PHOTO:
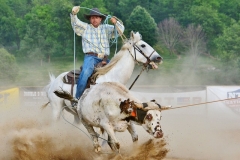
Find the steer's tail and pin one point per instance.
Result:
(65, 95)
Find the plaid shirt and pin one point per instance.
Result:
(95, 39)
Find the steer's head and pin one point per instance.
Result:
(149, 115)
(151, 123)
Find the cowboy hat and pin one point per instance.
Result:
(94, 12)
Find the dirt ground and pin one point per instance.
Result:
(195, 133)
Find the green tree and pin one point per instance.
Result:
(140, 20)
(7, 27)
(128, 6)
(114, 8)
(63, 32)
(229, 43)
(230, 9)
(210, 21)
(8, 66)
(40, 38)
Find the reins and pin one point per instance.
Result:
(144, 64)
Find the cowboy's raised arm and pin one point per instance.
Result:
(77, 25)
(118, 24)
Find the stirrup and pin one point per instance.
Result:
(74, 102)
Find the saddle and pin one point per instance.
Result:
(72, 78)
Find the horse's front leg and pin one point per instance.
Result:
(94, 136)
(131, 129)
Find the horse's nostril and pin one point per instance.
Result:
(159, 58)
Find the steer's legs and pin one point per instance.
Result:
(94, 136)
(112, 140)
(132, 131)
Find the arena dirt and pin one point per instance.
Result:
(196, 133)
(28, 133)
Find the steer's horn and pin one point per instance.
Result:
(138, 105)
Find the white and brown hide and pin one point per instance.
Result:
(99, 106)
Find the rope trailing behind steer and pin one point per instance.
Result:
(201, 103)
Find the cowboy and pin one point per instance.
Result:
(95, 42)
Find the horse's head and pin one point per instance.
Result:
(143, 52)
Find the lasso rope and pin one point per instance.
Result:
(111, 40)
(201, 103)
(115, 39)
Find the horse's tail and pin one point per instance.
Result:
(52, 79)
(46, 88)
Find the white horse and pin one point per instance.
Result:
(119, 69)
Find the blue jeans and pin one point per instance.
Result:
(87, 70)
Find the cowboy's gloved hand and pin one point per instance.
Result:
(101, 55)
(113, 20)
(75, 10)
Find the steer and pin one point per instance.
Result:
(111, 107)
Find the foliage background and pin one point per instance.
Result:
(39, 37)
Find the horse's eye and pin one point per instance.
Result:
(143, 45)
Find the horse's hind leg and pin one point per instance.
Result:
(57, 106)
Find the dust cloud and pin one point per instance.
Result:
(196, 133)
(202, 132)
(28, 133)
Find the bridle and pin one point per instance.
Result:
(139, 50)
(136, 48)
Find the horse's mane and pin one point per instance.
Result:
(120, 87)
(110, 65)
